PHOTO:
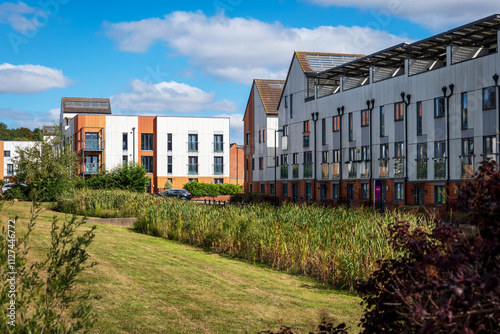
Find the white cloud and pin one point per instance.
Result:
(18, 118)
(21, 17)
(428, 13)
(169, 96)
(27, 79)
(240, 49)
(235, 126)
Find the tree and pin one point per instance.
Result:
(129, 176)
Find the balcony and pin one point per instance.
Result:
(218, 147)
(218, 169)
(383, 167)
(336, 170)
(284, 172)
(399, 167)
(295, 171)
(351, 170)
(491, 156)
(192, 146)
(467, 166)
(307, 170)
(92, 145)
(91, 168)
(365, 169)
(421, 169)
(439, 168)
(325, 171)
(192, 169)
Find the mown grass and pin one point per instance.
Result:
(335, 246)
(145, 284)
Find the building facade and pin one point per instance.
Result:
(402, 126)
(7, 153)
(176, 149)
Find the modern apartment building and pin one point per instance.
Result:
(7, 152)
(179, 149)
(404, 125)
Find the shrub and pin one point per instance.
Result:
(251, 198)
(168, 185)
(443, 281)
(129, 176)
(209, 189)
(17, 192)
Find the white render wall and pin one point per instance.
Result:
(12, 146)
(115, 127)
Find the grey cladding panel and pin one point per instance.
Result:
(399, 129)
(365, 136)
(489, 123)
(440, 129)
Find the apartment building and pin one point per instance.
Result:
(7, 153)
(178, 149)
(404, 125)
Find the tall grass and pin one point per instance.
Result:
(337, 246)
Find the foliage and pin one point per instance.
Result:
(251, 198)
(16, 192)
(324, 327)
(19, 134)
(168, 185)
(129, 176)
(209, 189)
(45, 299)
(444, 281)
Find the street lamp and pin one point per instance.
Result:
(276, 164)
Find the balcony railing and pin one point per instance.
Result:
(284, 172)
(192, 146)
(218, 169)
(93, 145)
(491, 156)
(351, 170)
(383, 167)
(421, 169)
(192, 169)
(218, 147)
(295, 171)
(91, 168)
(439, 168)
(307, 170)
(336, 170)
(467, 166)
(399, 167)
(305, 141)
(365, 169)
(325, 171)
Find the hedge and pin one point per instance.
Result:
(209, 189)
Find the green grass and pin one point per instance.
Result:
(145, 284)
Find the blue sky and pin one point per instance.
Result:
(192, 58)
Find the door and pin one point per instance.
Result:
(295, 192)
(91, 164)
(381, 200)
(350, 192)
(308, 191)
(419, 193)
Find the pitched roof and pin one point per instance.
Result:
(313, 62)
(85, 105)
(270, 93)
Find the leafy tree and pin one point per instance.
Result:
(129, 176)
(168, 185)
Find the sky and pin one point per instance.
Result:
(189, 58)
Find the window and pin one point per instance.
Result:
(439, 195)
(124, 159)
(399, 111)
(218, 181)
(439, 160)
(336, 123)
(261, 163)
(170, 180)
(306, 127)
(383, 169)
(305, 134)
(336, 156)
(422, 151)
(365, 117)
(468, 146)
(125, 141)
(336, 164)
(248, 139)
(439, 149)
(264, 136)
(286, 101)
(351, 134)
(169, 142)
(323, 131)
(365, 191)
(382, 121)
(489, 145)
(285, 130)
(384, 151)
(253, 164)
(324, 157)
(218, 143)
(218, 165)
(398, 191)
(439, 106)
(92, 141)
(146, 141)
(192, 180)
(284, 160)
(336, 191)
(365, 153)
(147, 162)
(10, 169)
(6, 154)
(192, 143)
(307, 164)
(399, 150)
(352, 154)
(422, 161)
(271, 188)
(295, 158)
(308, 157)
(465, 115)
(262, 188)
(169, 164)
(260, 136)
(489, 98)
(419, 118)
(467, 158)
(399, 162)
(246, 164)
(192, 165)
(285, 190)
(291, 105)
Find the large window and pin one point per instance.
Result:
(336, 123)
(399, 191)
(419, 118)
(365, 117)
(147, 162)
(169, 142)
(384, 161)
(489, 98)
(336, 164)
(261, 163)
(489, 147)
(439, 106)
(146, 141)
(324, 165)
(285, 190)
(218, 165)
(399, 111)
(192, 165)
(125, 141)
(399, 161)
(422, 161)
(439, 195)
(10, 169)
(307, 164)
(382, 121)
(192, 143)
(169, 164)
(365, 191)
(291, 105)
(439, 160)
(465, 114)
(467, 157)
(218, 143)
(323, 131)
(351, 128)
(305, 134)
(248, 139)
(336, 191)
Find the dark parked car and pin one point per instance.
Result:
(179, 193)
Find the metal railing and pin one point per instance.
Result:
(192, 169)
(325, 169)
(218, 147)
(399, 167)
(383, 167)
(421, 169)
(351, 170)
(192, 146)
(467, 162)
(92, 144)
(91, 168)
(336, 170)
(218, 169)
(284, 172)
(295, 171)
(439, 168)
(365, 169)
(307, 170)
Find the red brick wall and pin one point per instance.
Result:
(237, 165)
(248, 126)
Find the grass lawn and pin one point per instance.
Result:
(145, 284)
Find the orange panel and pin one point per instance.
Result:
(1, 159)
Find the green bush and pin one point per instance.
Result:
(129, 176)
(17, 192)
(209, 189)
(251, 198)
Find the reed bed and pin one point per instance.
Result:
(336, 246)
